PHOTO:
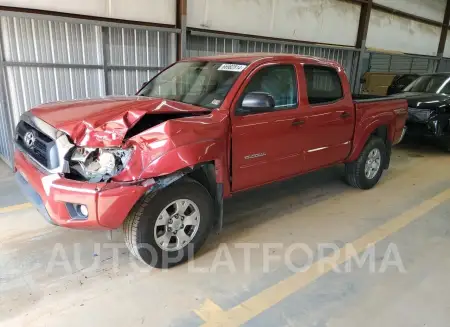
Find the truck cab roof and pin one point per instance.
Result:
(250, 58)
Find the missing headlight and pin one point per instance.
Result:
(98, 164)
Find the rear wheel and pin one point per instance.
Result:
(365, 172)
(166, 228)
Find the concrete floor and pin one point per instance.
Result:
(51, 276)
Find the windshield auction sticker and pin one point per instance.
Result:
(232, 67)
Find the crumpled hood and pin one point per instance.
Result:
(104, 122)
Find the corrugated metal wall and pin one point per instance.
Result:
(45, 59)
(204, 45)
(444, 66)
(28, 43)
(131, 53)
(52, 60)
(379, 62)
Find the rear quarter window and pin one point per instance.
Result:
(323, 84)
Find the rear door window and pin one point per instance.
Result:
(323, 84)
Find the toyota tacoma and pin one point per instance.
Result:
(160, 163)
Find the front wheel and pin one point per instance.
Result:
(365, 172)
(166, 228)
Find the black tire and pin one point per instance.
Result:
(139, 226)
(354, 171)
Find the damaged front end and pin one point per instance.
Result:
(109, 140)
(120, 154)
(427, 123)
(97, 164)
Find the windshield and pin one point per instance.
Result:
(201, 83)
(430, 84)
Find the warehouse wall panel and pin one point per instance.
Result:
(153, 11)
(45, 60)
(131, 47)
(321, 21)
(379, 62)
(32, 40)
(393, 33)
(127, 82)
(27, 40)
(210, 46)
(145, 52)
(202, 45)
(32, 86)
(432, 9)
(447, 47)
(6, 132)
(444, 66)
(82, 7)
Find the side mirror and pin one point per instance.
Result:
(255, 102)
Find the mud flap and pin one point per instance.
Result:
(219, 208)
(162, 182)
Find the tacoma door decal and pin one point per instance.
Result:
(255, 155)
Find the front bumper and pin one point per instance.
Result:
(431, 129)
(423, 123)
(108, 204)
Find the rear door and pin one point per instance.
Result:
(329, 116)
(265, 145)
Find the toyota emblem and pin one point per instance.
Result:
(29, 139)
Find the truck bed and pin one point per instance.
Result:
(372, 108)
(370, 98)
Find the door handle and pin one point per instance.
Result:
(298, 122)
(345, 114)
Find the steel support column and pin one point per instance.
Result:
(444, 32)
(105, 46)
(181, 16)
(363, 28)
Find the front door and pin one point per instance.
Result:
(265, 145)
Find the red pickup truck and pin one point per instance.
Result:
(160, 163)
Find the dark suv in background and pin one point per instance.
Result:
(428, 99)
(400, 82)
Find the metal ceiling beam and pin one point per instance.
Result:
(406, 15)
(359, 2)
(400, 13)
